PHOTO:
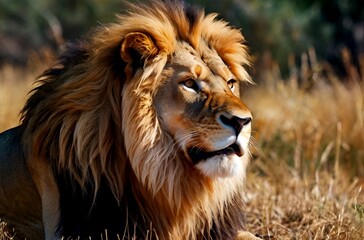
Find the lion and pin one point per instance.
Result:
(137, 131)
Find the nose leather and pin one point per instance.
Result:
(235, 122)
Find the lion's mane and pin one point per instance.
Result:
(81, 119)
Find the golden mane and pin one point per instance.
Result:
(81, 118)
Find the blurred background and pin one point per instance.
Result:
(306, 178)
(278, 30)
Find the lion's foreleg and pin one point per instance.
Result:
(48, 191)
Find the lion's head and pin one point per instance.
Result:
(159, 93)
(191, 109)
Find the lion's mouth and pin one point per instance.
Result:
(198, 154)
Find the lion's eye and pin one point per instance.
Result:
(191, 84)
(231, 83)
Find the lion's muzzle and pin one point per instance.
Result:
(232, 145)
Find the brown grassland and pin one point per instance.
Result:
(307, 176)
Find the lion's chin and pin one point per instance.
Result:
(222, 166)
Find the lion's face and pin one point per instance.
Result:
(199, 105)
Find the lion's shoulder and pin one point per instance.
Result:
(10, 144)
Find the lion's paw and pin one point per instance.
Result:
(244, 235)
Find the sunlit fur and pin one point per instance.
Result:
(79, 121)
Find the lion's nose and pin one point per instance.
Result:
(237, 123)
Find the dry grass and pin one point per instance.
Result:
(14, 85)
(307, 179)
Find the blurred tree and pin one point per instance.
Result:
(284, 28)
(28, 26)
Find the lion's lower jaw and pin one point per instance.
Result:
(223, 166)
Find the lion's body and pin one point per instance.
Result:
(137, 131)
(19, 199)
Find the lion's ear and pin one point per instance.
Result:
(135, 49)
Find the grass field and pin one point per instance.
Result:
(307, 176)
